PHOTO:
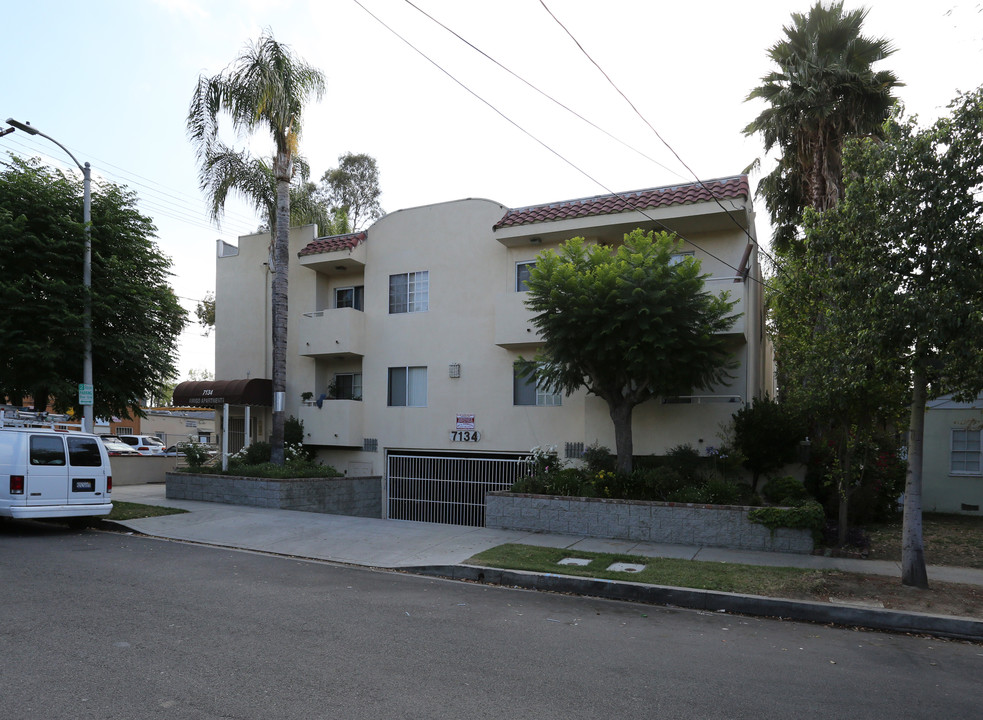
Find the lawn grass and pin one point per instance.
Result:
(132, 511)
(725, 577)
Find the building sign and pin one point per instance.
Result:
(465, 422)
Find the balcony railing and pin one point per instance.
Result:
(513, 321)
(336, 422)
(332, 333)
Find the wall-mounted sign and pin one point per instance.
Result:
(465, 422)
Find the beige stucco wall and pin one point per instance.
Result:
(943, 490)
(472, 277)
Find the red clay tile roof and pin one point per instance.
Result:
(721, 188)
(333, 242)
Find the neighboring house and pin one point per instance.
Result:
(179, 424)
(405, 334)
(952, 464)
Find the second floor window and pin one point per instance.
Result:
(349, 297)
(409, 292)
(348, 386)
(522, 275)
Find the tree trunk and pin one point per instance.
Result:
(843, 490)
(621, 417)
(913, 572)
(281, 256)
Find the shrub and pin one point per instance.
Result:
(196, 454)
(598, 458)
(808, 516)
(784, 491)
(685, 459)
(255, 454)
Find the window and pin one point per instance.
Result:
(964, 457)
(124, 431)
(348, 386)
(522, 275)
(47, 450)
(409, 292)
(677, 258)
(349, 297)
(84, 452)
(407, 387)
(525, 391)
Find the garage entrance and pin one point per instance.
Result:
(447, 488)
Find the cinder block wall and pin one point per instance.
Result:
(359, 497)
(675, 523)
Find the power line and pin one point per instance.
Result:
(626, 197)
(540, 91)
(658, 135)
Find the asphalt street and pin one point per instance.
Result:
(103, 625)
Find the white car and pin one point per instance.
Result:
(143, 444)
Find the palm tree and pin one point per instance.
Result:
(265, 87)
(823, 91)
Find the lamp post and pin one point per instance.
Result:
(87, 410)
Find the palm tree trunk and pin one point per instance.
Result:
(913, 572)
(281, 255)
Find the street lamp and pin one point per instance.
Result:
(87, 410)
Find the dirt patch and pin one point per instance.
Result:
(888, 592)
(949, 541)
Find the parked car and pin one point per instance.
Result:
(116, 448)
(143, 444)
(53, 474)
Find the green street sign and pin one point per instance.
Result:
(85, 394)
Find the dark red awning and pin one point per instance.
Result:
(209, 393)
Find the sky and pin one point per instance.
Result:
(112, 80)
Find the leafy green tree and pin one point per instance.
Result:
(265, 88)
(912, 225)
(205, 312)
(823, 91)
(136, 318)
(627, 325)
(767, 433)
(353, 186)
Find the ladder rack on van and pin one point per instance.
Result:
(19, 418)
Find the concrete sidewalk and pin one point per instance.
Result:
(403, 544)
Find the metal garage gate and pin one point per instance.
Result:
(447, 488)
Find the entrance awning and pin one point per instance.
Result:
(209, 393)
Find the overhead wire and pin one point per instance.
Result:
(624, 196)
(656, 132)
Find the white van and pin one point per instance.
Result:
(48, 473)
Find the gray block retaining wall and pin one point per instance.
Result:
(359, 497)
(676, 523)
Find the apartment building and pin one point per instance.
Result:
(402, 338)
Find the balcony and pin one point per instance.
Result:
(513, 322)
(332, 333)
(514, 328)
(336, 422)
(738, 292)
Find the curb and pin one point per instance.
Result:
(715, 601)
